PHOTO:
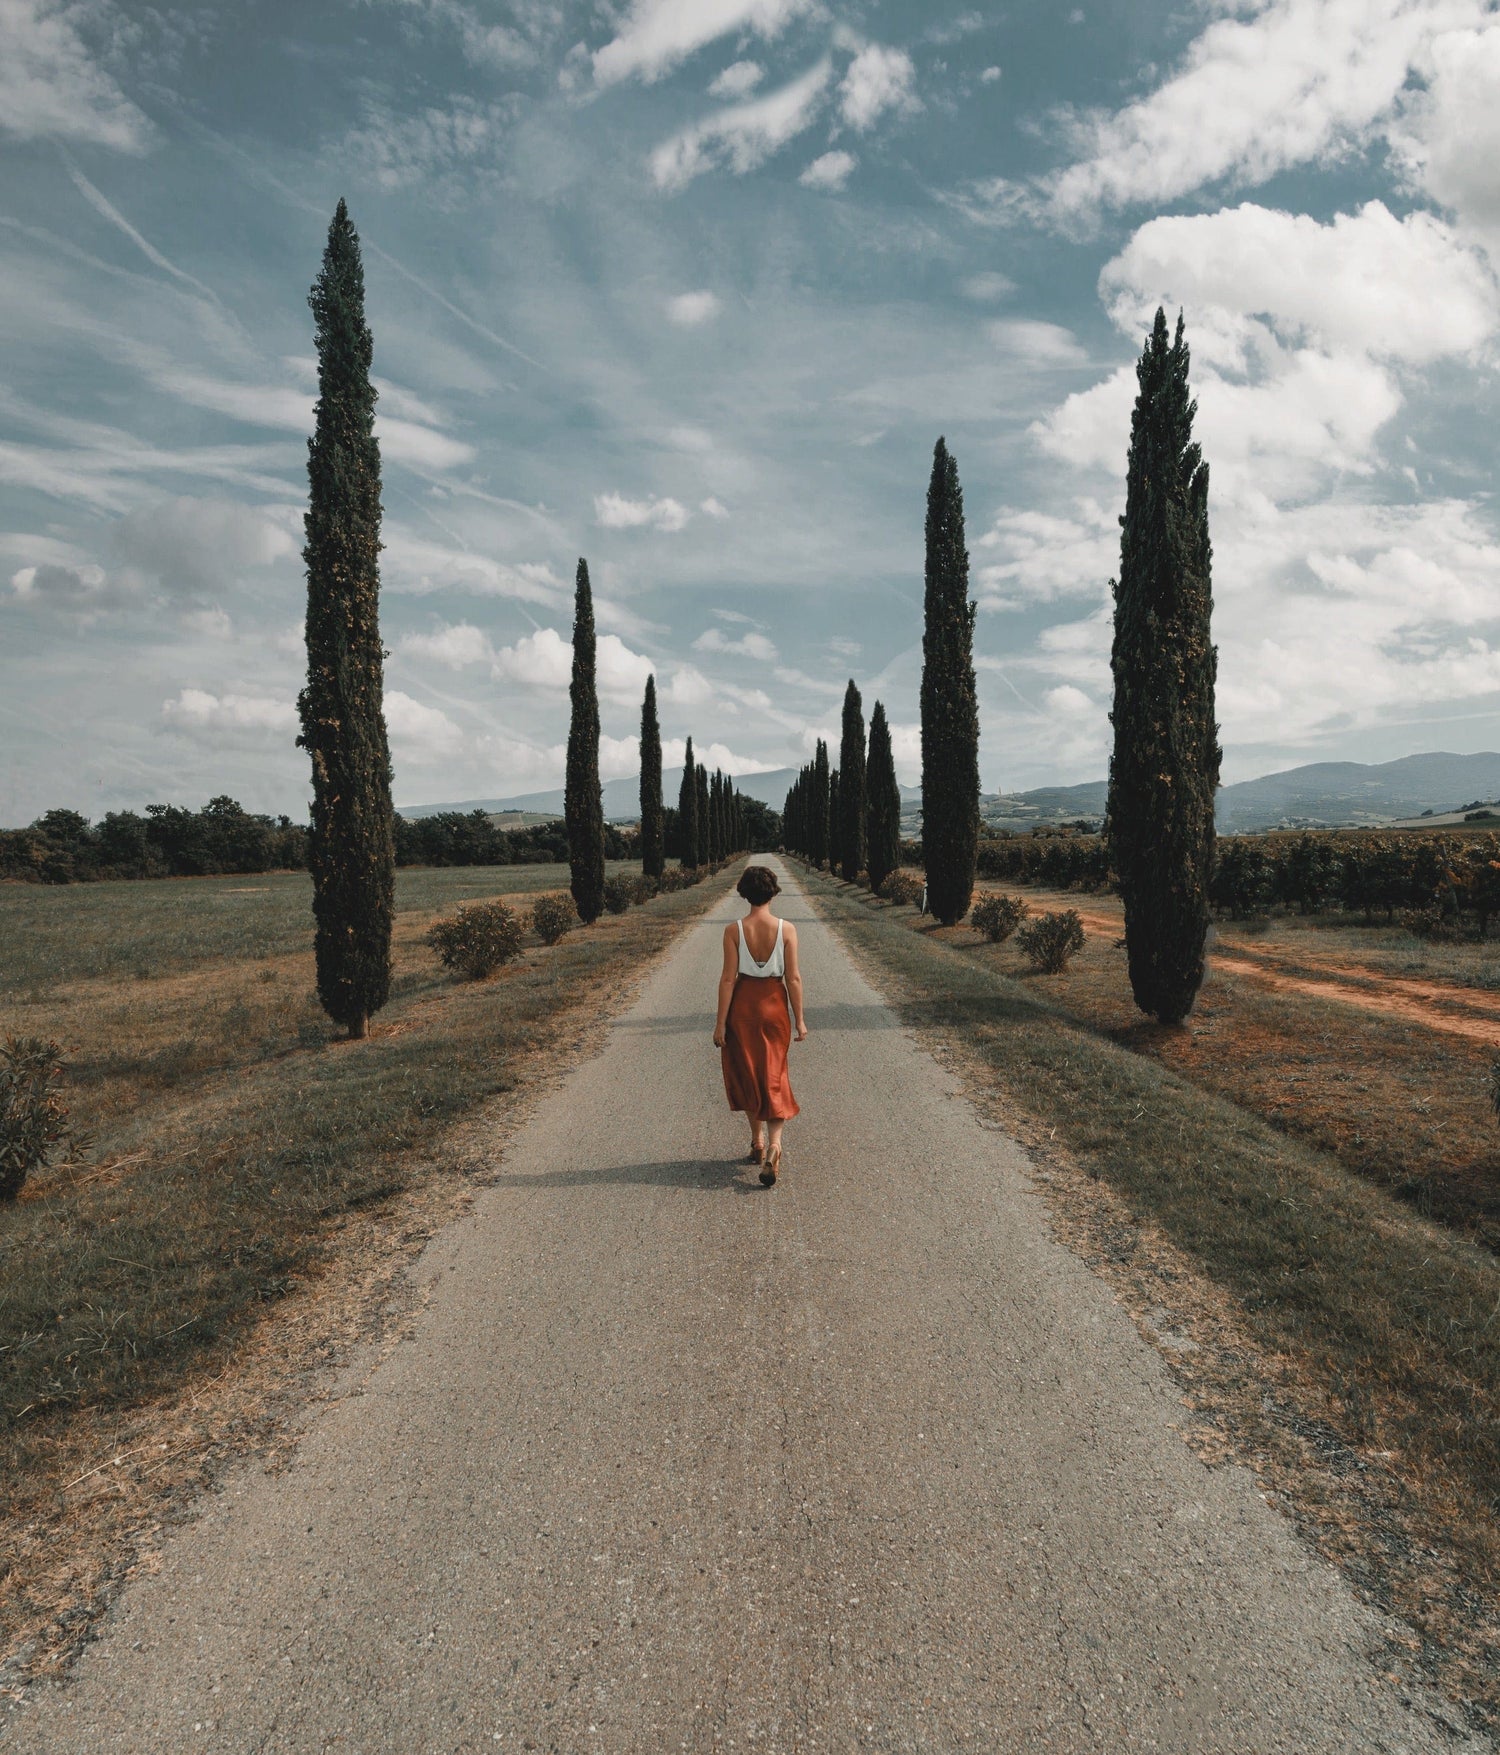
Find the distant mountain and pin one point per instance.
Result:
(1319, 795)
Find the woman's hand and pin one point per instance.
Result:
(801, 1030)
(718, 1036)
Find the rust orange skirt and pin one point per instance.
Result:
(756, 1037)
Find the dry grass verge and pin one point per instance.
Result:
(256, 1188)
(1332, 1339)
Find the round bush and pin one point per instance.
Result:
(552, 916)
(477, 939)
(997, 917)
(1051, 939)
(619, 892)
(902, 888)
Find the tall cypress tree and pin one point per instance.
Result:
(583, 807)
(852, 784)
(701, 795)
(1159, 820)
(883, 810)
(835, 823)
(817, 828)
(687, 809)
(653, 852)
(950, 702)
(351, 851)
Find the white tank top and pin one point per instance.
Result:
(774, 965)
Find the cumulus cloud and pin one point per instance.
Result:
(1296, 81)
(712, 508)
(455, 645)
(53, 88)
(194, 545)
(737, 80)
(878, 79)
(1030, 339)
(691, 309)
(54, 584)
(1040, 556)
(742, 136)
(749, 645)
(420, 734)
(544, 660)
(831, 171)
(1407, 289)
(232, 720)
(615, 512)
(659, 34)
(1449, 133)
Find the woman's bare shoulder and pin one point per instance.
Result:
(789, 931)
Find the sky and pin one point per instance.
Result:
(691, 288)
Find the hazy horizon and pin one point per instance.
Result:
(692, 292)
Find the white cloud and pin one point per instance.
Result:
(52, 88)
(737, 80)
(831, 171)
(230, 719)
(454, 645)
(57, 584)
(879, 79)
(1041, 556)
(544, 660)
(743, 136)
(990, 76)
(658, 34)
(200, 544)
(688, 687)
(419, 734)
(409, 150)
(987, 289)
(1298, 80)
(751, 645)
(712, 508)
(1450, 133)
(693, 308)
(615, 512)
(1404, 289)
(1030, 339)
(416, 565)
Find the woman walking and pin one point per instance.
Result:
(760, 981)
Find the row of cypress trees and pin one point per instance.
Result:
(1164, 770)
(849, 817)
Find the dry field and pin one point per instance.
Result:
(248, 1170)
(1295, 1197)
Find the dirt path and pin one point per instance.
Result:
(670, 1462)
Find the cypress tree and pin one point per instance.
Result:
(687, 809)
(817, 806)
(653, 847)
(835, 823)
(883, 809)
(701, 795)
(852, 784)
(715, 838)
(950, 703)
(1159, 820)
(351, 850)
(583, 807)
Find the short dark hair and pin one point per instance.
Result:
(758, 884)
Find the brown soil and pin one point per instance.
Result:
(1393, 996)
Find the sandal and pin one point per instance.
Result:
(773, 1164)
(757, 1152)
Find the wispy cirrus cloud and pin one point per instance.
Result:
(657, 35)
(743, 136)
(616, 512)
(54, 87)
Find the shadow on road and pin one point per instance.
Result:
(704, 1174)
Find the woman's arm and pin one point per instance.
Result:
(794, 978)
(727, 977)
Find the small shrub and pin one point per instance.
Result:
(552, 916)
(619, 893)
(643, 888)
(902, 888)
(1429, 923)
(997, 917)
(1051, 940)
(33, 1118)
(477, 939)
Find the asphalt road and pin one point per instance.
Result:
(673, 1462)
